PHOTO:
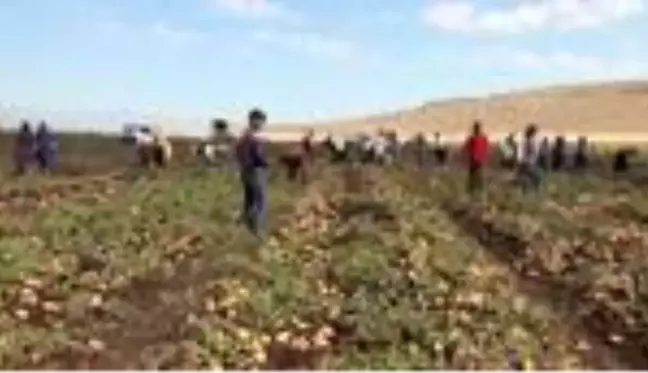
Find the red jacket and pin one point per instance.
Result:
(477, 149)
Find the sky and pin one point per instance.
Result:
(301, 59)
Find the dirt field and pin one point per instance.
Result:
(387, 268)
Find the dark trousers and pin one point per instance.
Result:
(421, 158)
(557, 161)
(621, 164)
(580, 161)
(23, 159)
(158, 156)
(508, 163)
(441, 156)
(475, 177)
(151, 154)
(295, 167)
(45, 159)
(254, 199)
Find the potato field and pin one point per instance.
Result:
(106, 267)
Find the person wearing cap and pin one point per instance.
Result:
(253, 166)
(530, 175)
(476, 148)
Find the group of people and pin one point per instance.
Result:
(548, 155)
(529, 155)
(385, 148)
(35, 147)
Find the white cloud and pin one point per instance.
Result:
(560, 62)
(528, 15)
(258, 9)
(312, 43)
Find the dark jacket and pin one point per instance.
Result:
(251, 153)
(25, 145)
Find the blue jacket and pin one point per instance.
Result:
(251, 153)
(46, 141)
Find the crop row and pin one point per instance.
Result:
(583, 260)
(79, 277)
(372, 276)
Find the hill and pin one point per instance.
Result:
(611, 111)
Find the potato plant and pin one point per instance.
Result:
(363, 268)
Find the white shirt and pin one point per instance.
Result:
(509, 148)
(338, 143)
(142, 138)
(379, 145)
(209, 151)
(437, 144)
(530, 151)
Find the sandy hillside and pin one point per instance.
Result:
(611, 111)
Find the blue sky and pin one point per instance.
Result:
(303, 59)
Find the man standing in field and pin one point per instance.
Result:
(558, 153)
(476, 148)
(46, 147)
(581, 159)
(253, 170)
(420, 150)
(24, 148)
(530, 175)
(544, 156)
(308, 149)
(440, 150)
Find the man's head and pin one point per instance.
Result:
(220, 125)
(531, 130)
(25, 126)
(256, 119)
(477, 127)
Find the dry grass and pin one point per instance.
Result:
(611, 112)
